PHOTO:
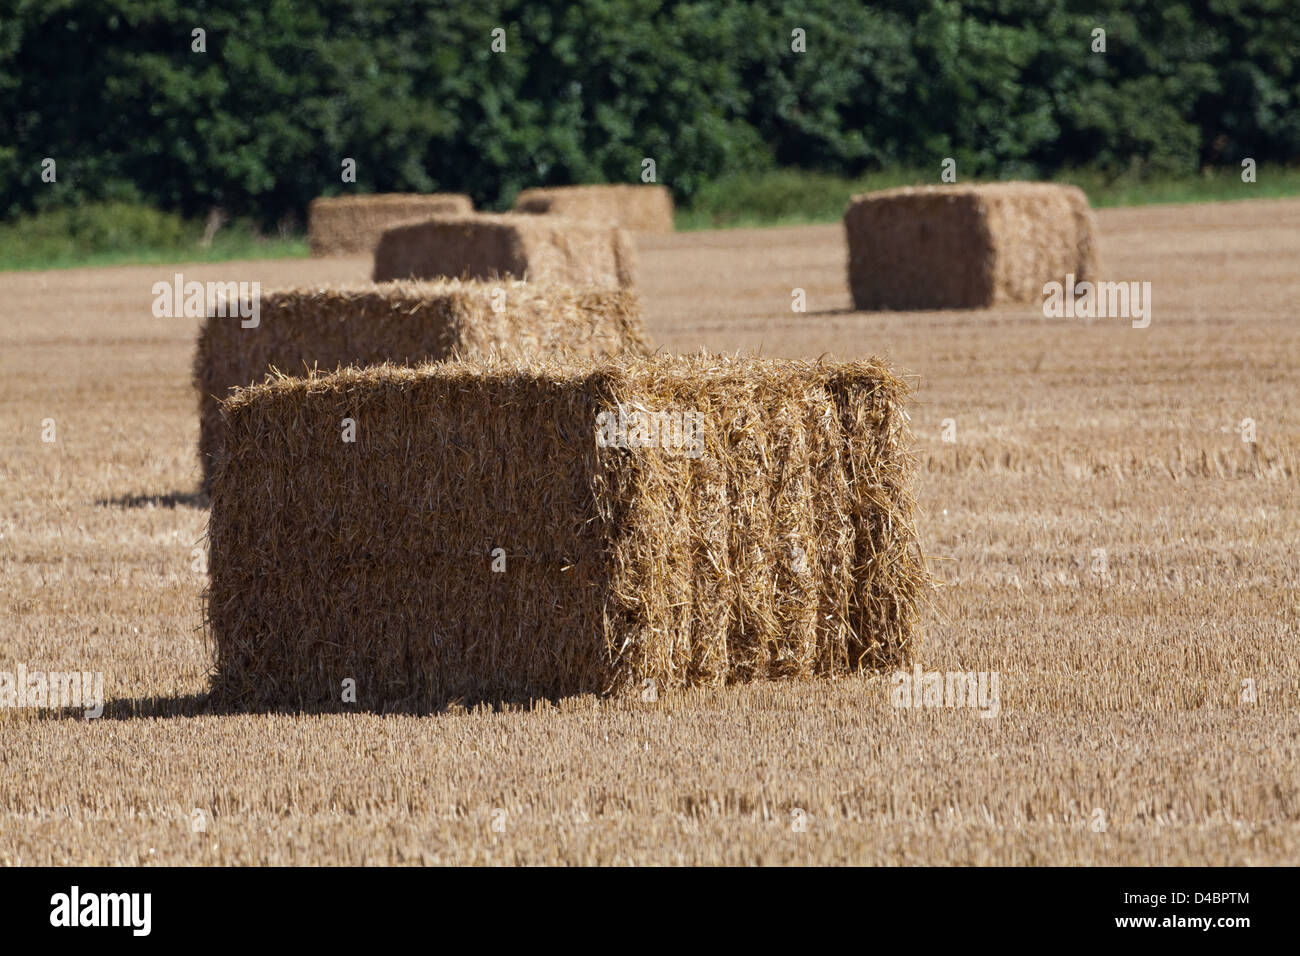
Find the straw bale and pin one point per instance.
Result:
(959, 246)
(352, 225)
(540, 248)
(636, 208)
(405, 322)
(785, 549)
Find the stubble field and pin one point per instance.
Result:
(1107, 543)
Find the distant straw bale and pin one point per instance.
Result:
(404, 322)
(956, 246)
(539, 248)
(635, 208)
(352, 225)
(506, 531)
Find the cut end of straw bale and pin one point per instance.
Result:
(352, 225)
(956, 246)
(403, 322)
(507, 531)
(536, 248)
(636, 208)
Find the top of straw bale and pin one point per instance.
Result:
(636, 208)
(1004, 190)
(486, 246)
(370, 200)
(348, 225)
(703, 375)
(462, 313)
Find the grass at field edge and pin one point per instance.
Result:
(751, 200)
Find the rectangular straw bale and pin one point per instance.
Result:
(404, 322)
(352, 225)
(636, 208)
(787, 549)
(958, 246)
(539, 248)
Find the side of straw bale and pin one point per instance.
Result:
(636, 208)
(786, 550)
(404, 322)
(1087, 260)
(949, 247)
(539, 248)
(352, 225)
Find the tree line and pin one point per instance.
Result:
(254, 107)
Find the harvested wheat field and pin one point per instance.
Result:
(1110, 548)
(328, 326)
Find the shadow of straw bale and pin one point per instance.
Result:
(174, 499)
(210, 705)
(130, 708)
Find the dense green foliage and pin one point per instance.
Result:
(260, 122)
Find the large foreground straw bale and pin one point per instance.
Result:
(634, 208)
(772, 536)
(951, 247)
(405, 322)
(539, 248)
(352, 225)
